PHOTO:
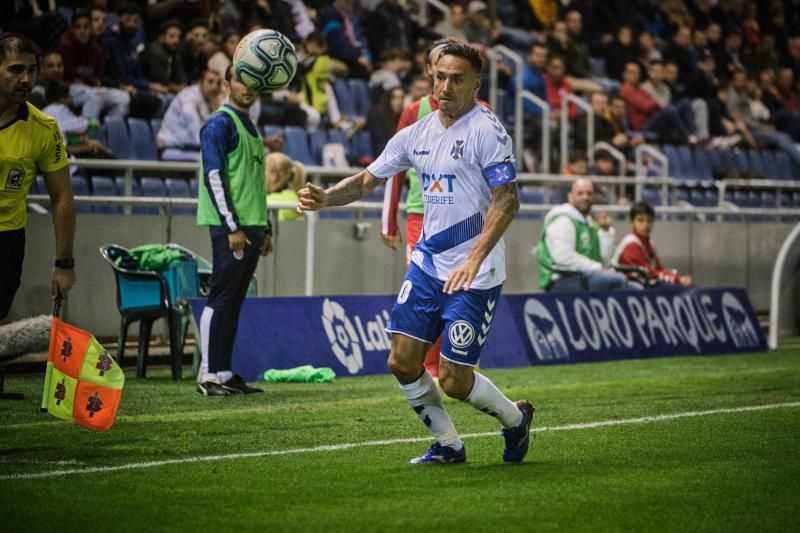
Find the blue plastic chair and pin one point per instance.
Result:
(344, 98)
(105, 186)
(296, 145)
(144, 145)
(361, 145)
(180, 188)
(80, 187)
(154, 188)
(144, 296)
(118, 138)
(361, 100)
(531, 196)
(316, 141)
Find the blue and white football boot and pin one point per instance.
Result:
(518, 438)
(443, 455)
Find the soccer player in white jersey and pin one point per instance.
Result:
(464, 160)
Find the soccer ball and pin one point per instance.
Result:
(265, 61)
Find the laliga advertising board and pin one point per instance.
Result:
(347, 333)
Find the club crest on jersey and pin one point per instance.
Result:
(457, 152)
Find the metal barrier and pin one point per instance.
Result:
(583, 104)
(639, 153)
(519, 141)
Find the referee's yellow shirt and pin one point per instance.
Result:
(31, 144)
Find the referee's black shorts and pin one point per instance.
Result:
(12, 252)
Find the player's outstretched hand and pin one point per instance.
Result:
(461, 277)
(311, 198)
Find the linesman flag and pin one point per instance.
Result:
(83, 383)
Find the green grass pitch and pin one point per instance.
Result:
(254, 463)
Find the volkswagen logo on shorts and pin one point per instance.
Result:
(461, 334)
(342, 336)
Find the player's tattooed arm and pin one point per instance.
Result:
(346, 191)
(502, 210)
(351, 189)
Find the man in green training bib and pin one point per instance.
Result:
(232, 203)
(573, 241)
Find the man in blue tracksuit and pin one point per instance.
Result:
(232, 203)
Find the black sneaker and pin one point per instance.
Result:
(211, 388)
(237, 385)
(518, 438)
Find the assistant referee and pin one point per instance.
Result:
(30, 143)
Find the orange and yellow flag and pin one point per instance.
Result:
(83, 384)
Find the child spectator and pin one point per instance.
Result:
(73, 127)
(636, 250)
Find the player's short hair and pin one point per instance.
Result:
(642, 208)
(196, 23)
(464, 51)
(437, 45)
(14, 43)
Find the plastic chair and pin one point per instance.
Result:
(180, 188)
(118, 139)
(360, 92)
(80, 187)
(295, 145)
(344, 98)
(316, 140)
(143, 140)
(105, 186)
(146, 295)
(155, 188)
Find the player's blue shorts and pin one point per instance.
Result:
(422, 311)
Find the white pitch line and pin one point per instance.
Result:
(388, 442)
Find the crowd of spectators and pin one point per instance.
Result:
(716, 72)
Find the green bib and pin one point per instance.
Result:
(414, 198)
(244, 176)
(587, 243)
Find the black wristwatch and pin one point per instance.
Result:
(68, 262)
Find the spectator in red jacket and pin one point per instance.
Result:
(636, 250)
(646, 115)
(557, 86)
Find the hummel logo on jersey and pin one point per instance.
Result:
(422, 152)
(458, 150)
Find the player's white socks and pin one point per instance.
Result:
(425, 399)
(487, 398)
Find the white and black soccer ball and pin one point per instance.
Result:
(265, 61)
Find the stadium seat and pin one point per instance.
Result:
(337, 135)
(784, 166)
(702, 166)
(80, 187)
(361, 100)
(757, 164)
(153, 187)
(316, 140)
(118, 139)
(361, 145)
(105, 186)
(144, 145)
(193, 185)
(272, 129)
(344, 98)
(179, 188)
(677, 167)
(770, 164)
(531, 196)
(295, 145)
(651, 195)
(740, 157)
